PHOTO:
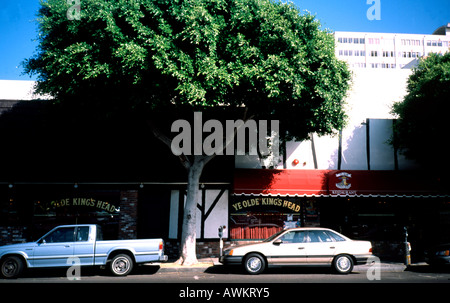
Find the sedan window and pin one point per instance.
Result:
(294, 237)
(335, 236)
(319, 236)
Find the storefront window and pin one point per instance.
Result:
(78, 207)
(39, 208)
(260, 217)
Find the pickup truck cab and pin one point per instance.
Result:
(84, 243)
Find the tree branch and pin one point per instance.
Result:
(166, 140)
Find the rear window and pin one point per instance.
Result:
(335, 236)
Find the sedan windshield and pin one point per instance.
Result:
(274, 236)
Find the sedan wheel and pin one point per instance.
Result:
(254, 264)
(343, 264)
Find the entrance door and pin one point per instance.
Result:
(55, 248)
(291, 251)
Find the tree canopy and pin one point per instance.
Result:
(421, 128)
(150, 56)
(266, 56)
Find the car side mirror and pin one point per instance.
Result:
(277, 242)
(41, 241)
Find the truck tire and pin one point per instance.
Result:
(254, 264)
(11, 267)
(121, 265)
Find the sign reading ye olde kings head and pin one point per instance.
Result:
(84, 202)
(259, 203)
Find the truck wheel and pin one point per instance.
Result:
(343, 264)
(254, 264)
(11, 267)
(121, 265)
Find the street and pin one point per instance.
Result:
(220, 274)
(217, 283)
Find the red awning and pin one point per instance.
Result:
(280, 182)
(335, 183)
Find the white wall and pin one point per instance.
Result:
(18, 90)
(217, 217)
(372, 95)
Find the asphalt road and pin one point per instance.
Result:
(222, 284)
(222, 274)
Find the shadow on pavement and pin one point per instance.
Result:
(425, 268)
(61, 272)
(221, 269)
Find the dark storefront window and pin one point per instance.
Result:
(9, 210)
(257, 218)
(39, 208)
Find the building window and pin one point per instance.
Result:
(374, 53)
(387, 65)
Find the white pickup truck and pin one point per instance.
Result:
(83, 243)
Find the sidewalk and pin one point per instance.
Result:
(201, 266)
(206, 263)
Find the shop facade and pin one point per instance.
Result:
(369, 205)
(29, 210)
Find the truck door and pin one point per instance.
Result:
(84, 245)
(55, 248)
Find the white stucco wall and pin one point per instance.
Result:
(372, 94)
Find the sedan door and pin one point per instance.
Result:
(55, 248)
(321, 247)
(290, 250)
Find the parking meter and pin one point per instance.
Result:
(407, 248)
(221, 228)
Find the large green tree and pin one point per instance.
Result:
(421, 129)
(195, 55)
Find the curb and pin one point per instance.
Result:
(173, 267)
(203, 266)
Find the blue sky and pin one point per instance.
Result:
(17, 29)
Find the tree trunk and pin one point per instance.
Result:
(188, 236)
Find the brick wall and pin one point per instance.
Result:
(128, 214)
